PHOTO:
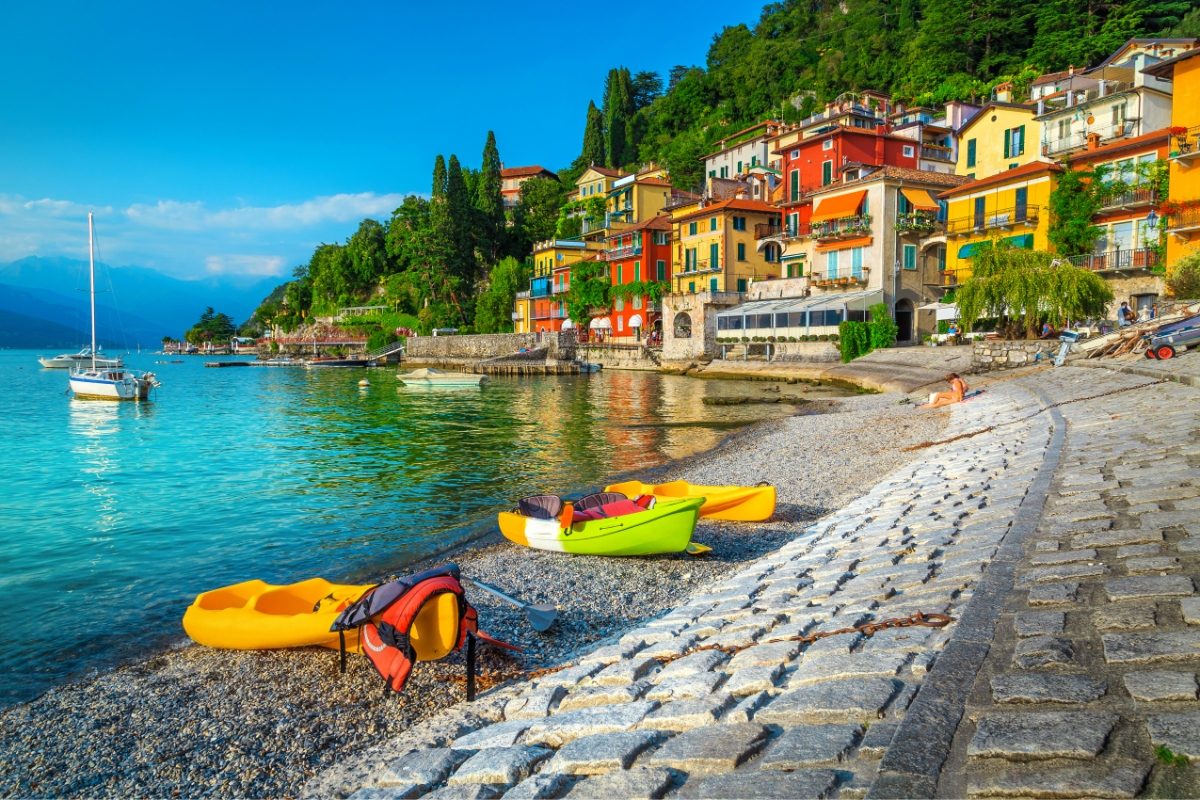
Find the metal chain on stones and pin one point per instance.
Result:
(1031, 415)
(918, 619)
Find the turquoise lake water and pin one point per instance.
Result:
(114, 515)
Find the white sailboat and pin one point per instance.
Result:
(99, 380)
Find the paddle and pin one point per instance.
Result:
(540, 616)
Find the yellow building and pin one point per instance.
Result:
(1012, 206)
(591, 193)
(523, 313)
(638, 198)
(1002, 136)
(714, 248)
(1182, 219)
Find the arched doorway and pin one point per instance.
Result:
(904, 320)
(683, 325)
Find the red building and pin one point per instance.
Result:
(824, 159)
(640, 254)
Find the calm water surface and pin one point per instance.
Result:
(114, 516)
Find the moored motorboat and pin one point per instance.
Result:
(80, 359)
(427, 376)
(618, 527)
(733, 503)
(255, 615)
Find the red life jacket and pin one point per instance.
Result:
(385, 616)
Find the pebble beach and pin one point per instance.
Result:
(198, 722)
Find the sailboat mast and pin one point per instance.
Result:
(92, 282)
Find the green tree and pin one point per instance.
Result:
(368, 257)
(593, 138)
(588, 292)
(882, 328)
(1183, 281)
(618, 116)
(408, 233)
(647, 87)
(1023, 287)
(493, 311)
(1073, 204)
(535, 217)
(330, 271)
(212, 327)
(439, 177)
(489, 204)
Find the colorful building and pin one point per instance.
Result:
(1181, 213)
(1001, 137)
(715, 248)
(737, 153)
(552, 260)
(511, 179)
(638, 255)
(636, 198)
(1011, 206)
(591, 194)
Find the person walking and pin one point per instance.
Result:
(1124, 315)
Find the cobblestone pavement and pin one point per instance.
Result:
(1089, 605)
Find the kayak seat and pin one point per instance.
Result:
(435, 631)
(541, 506)
(645, 501)
(597, 500)
(618, 508)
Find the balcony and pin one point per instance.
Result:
(936, 152)
(701, 266)
(843, 228)
(615, 253)
(1133, 198)
(1077, 140)
(1184, 223)
(560, 289)
(1140, 258)
(767, 230)
(1004, 219)
(917, 222)
(1185, 144)
(838, 280)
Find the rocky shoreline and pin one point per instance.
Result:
(197, 722)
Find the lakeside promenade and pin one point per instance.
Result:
(1058, 526)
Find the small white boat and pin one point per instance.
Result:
(94, 380)
(83, 357)
(437, 377)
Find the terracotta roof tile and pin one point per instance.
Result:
(1025, 171)
(521, 172)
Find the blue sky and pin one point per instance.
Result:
(233, 137)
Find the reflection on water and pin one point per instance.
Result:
(128, 510)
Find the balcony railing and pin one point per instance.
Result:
(1185, 146)
(559, 289)
(1138, 196)
(764, 230)
(936, 152)
(702, 265)
(615, 253)
(1003, 219)
(1118, 260)
(842, 228)
(1186, 221)
(1077, 140)
(847, 278)
(921, 222)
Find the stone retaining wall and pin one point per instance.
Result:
(616, 359)
(1003, 354)
(485, 345)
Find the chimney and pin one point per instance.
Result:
(1093, 141)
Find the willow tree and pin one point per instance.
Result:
(1022, 287)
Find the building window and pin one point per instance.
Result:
(691, 229)
(692, 289)
(619, 304)
(794, 185)
(712, 224)
(712, 173)
(739, 223)
(661, 266)
(827, 144)
(724, 172)
(793, 224)
(1014, 141)
(979, 212)
(826, 173)
(739, 168)
(856, 255)
(637, 301)
(1021, 210)
(741, 251)
(1064, 128)
(795, 154)
(831, 264)
(620, 274)
(714, 256)
(712, 285)
(637, 270)
(909, 151)
(753, 161)
(741, 284)
(1118, 117)
(970, 152)
(910, 256)
(620, 323)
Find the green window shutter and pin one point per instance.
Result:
(712, 285)
(741, 251)
(826, 173)
(1021, 142)
(714, 255)
(691, 229)
(970, 152)
(741, 284)
(1007, 143)
(662, 270)
(637, 270)
(712, 224)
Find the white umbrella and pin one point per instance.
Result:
(601, 323)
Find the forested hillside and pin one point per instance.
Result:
(454, 260)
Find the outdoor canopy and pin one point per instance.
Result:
(844, 205)
(859, 301)
(919, 199)
(600, 323)
(1023, 241)
(568, 324)
(635, 321)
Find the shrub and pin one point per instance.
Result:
(824, 337)
(882, 327)
(770, 338)
(791, 338)
(745, 338)
(1183, 282)
(854, 340)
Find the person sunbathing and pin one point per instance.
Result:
(958, 388)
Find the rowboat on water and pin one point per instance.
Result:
(436, 377)
(733, 503)
(255, 615)
(605, 524)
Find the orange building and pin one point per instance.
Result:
(511, 179)
(638, 255)
(1181, 212)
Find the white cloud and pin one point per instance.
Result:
(262, 266)
(174, 215)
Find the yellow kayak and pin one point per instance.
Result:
(734, 503)
(255, 615)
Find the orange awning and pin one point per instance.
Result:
(920, 199)
(844, 205)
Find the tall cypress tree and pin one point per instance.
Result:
(593, 138)
(618, 116)
(461, 263)
(489, 204)
(439, 177)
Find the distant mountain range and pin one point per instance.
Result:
(44, 303)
